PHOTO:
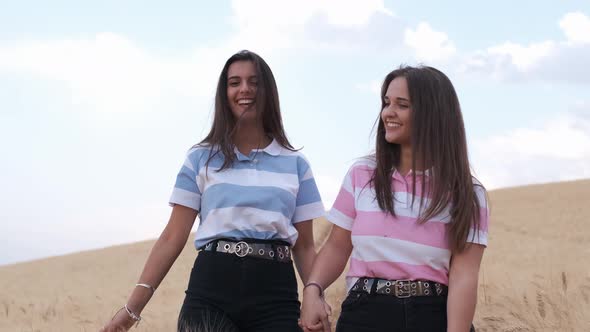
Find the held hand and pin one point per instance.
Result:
(121, 322)
(327, 307)
(319, 327)
(315, 312)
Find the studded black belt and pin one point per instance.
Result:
(272, 251)
(400, 288)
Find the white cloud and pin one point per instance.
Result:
(430, 45)
(266, 24)
(549, 60)
(110, 73)
(263, 14)
(556, 151)
(576, 27)
(523, 57)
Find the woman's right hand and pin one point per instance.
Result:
(315, 312)
(121, 322)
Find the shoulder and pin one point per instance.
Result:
(480, 192)
(359, 174)
(198, 152)
(294, 156)
(366, 164)
(285, 152)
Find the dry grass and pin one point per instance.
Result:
(535, 275)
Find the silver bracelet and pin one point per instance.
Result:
(131, 314)
(150, 287)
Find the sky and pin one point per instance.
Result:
(99, 101)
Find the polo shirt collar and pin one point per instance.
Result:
(273, 149)
(397, 175)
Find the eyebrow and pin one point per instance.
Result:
(239, 77)
(398, 99)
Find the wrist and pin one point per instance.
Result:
(133, 316)
(314, 288)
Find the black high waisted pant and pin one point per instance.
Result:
(230, 293)
(362, 312)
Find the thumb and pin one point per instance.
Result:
(328, 309)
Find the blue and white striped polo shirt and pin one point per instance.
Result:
(260, 196)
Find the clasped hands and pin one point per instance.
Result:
(315, 312)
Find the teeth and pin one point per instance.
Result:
(391, 124)
(245, 101)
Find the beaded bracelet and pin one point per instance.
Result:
(131, 314)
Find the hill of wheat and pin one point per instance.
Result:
(535, 274)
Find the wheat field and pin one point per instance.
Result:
(535, 275)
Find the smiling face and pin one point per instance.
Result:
(396, 113)
(241, 90)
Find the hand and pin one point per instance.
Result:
(315, 312)
(121, 322)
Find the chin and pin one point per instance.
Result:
(392, 140)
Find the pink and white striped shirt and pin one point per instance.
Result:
(396, 248)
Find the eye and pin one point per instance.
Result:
(233, 83)
(404, 106)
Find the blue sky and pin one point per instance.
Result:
(99, 102)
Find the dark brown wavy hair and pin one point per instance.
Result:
(439, 143)
(268, 110)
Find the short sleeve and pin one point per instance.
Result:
(308, 203)
(186, 191)
(480, 235)
(343, 211)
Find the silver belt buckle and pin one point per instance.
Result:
(241, 249)
(399, 290)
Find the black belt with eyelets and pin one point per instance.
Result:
(400, 288)
(271, 251)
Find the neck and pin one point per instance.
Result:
(249, 136)
(405, 163)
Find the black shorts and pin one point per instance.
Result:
(231, 293)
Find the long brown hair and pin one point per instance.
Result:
(267, 108)
(439, 142)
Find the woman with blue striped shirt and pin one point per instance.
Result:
(256, 197)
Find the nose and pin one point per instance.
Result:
(388, 111)
(244, 87)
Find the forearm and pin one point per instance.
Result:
(461, 303)
(163, 254)
(304, 258)
(329, 264)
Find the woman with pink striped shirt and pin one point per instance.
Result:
(411, 218)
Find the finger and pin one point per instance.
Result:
(305, 326)
(300, 323)
(328, 309)
(316, 326)
(307, 329)
(326, 323)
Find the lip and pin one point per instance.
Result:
(245, 101)
(392, 124)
